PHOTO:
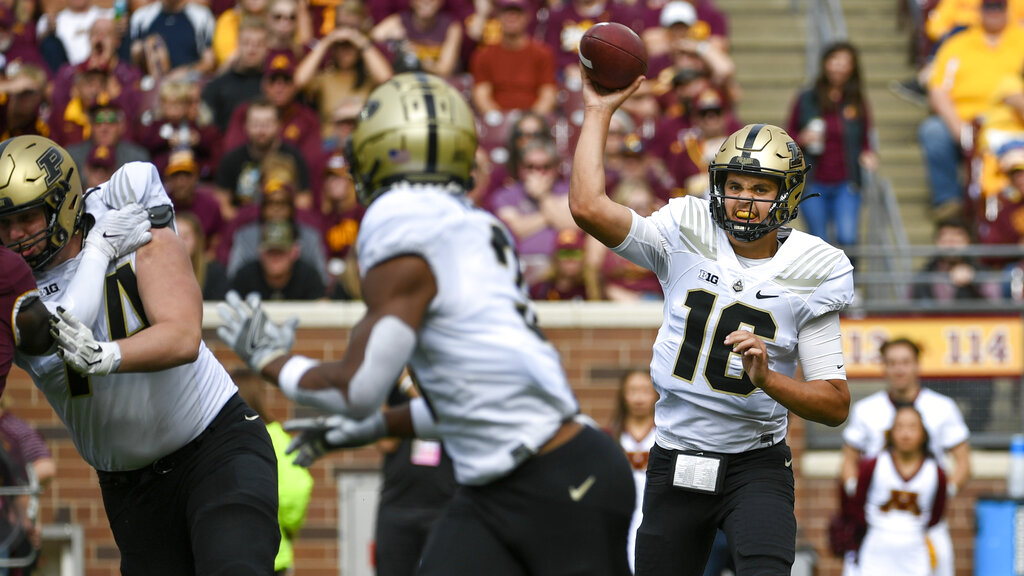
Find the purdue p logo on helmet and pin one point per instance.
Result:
(35, 171)
(759, 150)
(414, 128)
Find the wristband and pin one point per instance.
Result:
(292, 372)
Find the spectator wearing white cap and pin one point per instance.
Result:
(685, 45)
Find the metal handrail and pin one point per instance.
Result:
(885, 245)
(825, 25)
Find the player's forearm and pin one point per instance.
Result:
(160, 347)
(824, 401)
(590, 206)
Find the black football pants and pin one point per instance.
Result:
(754, 509)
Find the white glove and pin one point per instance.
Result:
(77, 346)
(120, 232)
(323, 434)
(249, 332)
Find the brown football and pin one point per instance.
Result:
(613, 55)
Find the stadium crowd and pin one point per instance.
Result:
(245, 106)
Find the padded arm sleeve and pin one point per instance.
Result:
(821, 348)
(84, 293)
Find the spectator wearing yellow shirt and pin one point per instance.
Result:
(225, 32)
(967, 70)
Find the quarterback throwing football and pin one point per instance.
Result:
(745, 300)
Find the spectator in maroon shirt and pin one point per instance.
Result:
(568, 22)
(709, 24)
(18, 43)
(519, 72)
(299, 124)
(175, 126)
(188, 194)
(565, 280)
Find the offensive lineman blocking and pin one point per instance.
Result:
(187, 471)
(745, 301)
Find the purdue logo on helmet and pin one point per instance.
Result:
(414, 128)
(36, 172)
(759, 150)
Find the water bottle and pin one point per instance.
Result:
(1015, 479)
(120, 9)
(816, 145)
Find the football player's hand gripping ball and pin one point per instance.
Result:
(255, 338)
(79, 349)
(323, 434)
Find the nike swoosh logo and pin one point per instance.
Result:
(253, 417)
(97, 350)
(578, 492)
(105, 235)
(840, 366)
(760, 296)
(789, 462)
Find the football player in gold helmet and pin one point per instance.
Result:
(756, 151)
(443, 292)
(152, 410)
(745, 300)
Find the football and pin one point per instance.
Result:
(612, 55)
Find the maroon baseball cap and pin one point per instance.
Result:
(282, 64)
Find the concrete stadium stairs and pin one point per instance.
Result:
(768, 43)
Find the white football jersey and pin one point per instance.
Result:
(126, 421)
(707, 402)
(871, 417)
(898, 511)
(495, 385)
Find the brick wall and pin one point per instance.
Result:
(594, 359)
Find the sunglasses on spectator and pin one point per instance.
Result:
(106, 117)
(539, 167)
(710, 112)
(280, 78)
(279, 16)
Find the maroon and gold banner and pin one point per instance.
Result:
(983, 346)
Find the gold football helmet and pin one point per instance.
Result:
(759, 150)
(34, 172)
(415, 128)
